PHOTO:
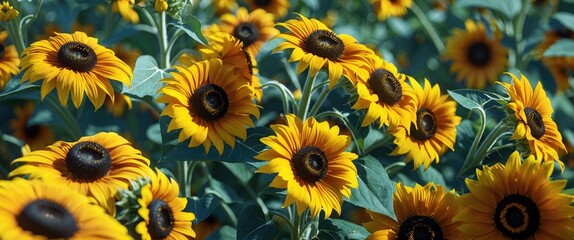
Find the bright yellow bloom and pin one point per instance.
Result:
(7, 12)
(390, 8)
(9, 60)
(160, 6)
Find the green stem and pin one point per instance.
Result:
(395, 168)
(386, 140)
(27, 20)
(295, 228)
(319, 101)
(286, 95)
(16, 36)
(472, 151)
(292, 74)
(306, 96)
(174, 37)
(72, 127)
(518, 31)
(429, 27)
(108, 21)
(163, 42)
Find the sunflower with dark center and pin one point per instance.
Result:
(252, 28)
(161, 211)
(476, 57)
(36, 135)
(390, 8)
(9, 60)
(45, 210)
(562, 70)
(385, 95)
(516, 201)
(551, 37)
(210, 103)
(434, 128)
(95, 166)
(317, 47)
(230, 50)
(422, 212)
(76, 65)
(533, 116)
(311, 163)
(278, 8)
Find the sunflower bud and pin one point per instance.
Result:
(161, 6)
(7, 12)
(175, 8)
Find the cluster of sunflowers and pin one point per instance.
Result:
(316, 119)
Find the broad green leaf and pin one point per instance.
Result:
(569, 191)
(224, 233)
(339, 229)
(243, 172)
(192, 27)
(375, 191)
(464, 101)
(508, 8)
(15, 90)
(153, 133)
(147, 76)
(221, 190)
(202, 207)
(252, 224)
(561, 48)
(565, 19)
(243, 151)
(431, 175)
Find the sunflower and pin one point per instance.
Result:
(475, 56)
(252, 28)
(386, 95)
(118, 107)
(533, 113)
(231, 52)
(561, 69)
(551, 37)
(37, 136)
(516, 201)
(317, 47)
(126, 10)
(162, 212)
(40, 210)
(74, 64)
(7, 12)
(224, 6)
(209, 103)
(279, 8)
(434, 129)
(390, 8)
(311, 163)
(95, 166)
(9, 60)
(422, 213)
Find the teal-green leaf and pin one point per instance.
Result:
(192, 27)
(464, 101)
(252, 224)
(224, 233)
(339, 229)
(147, 76)
(375, 191)
(561, 48)
(508, 8)
(569, 191)
(202, 207)
(15, 90)
(565, 19)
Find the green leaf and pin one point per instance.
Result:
(221, 190)
(147, 76)
(375, 191)
(153, 133)
(224, 233)
(464, 101)
(202, 207)
(192, 27)
(243, 151)
(561, 48)
(252, 224)
(569, 191)
(15, 90)
(339, 229)
(431, 175)
(508, 8)
(565, 19)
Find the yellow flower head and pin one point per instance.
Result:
(160, 6)
(390, 8)
(9, 60)
(7, 12)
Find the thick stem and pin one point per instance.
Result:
(319, 101)
(474, 146)
(72, 127)
(163, 42)
(518, 29)
(429, 27)
(306, 96)
(286, 95)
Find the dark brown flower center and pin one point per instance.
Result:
(47, 218)
(161, 220)
(262, 3)
(426, 125)
(479, 54)
(247, 32)
(386, 86)
(325, 44)
(88, 161)
(535, 122)
(420, 228)
(210, 102)
(32, 131)
(77, 56)
(310, 164)
(2, 48)
(517, 217)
